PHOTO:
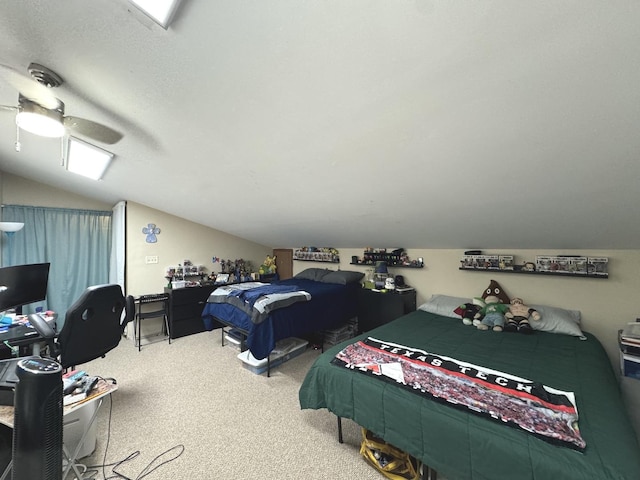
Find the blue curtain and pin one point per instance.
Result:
(77, 243)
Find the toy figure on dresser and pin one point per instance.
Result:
(518, 317)
(269, 266)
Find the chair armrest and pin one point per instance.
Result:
(46, 331)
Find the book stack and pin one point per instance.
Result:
(629, 341)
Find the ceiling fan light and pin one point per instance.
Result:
(46, 123)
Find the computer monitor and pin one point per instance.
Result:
(23, 284)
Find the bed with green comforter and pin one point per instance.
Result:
(461, 445)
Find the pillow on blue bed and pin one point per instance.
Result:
(443, 305)
(313, 274)
(557, 320)
(342, 277)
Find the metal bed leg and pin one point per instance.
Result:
(428, 473)
(340, 439)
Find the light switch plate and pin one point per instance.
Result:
(151, 259)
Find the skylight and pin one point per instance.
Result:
(86, 159)
(160, 11)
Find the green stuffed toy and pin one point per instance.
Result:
(492, 314)
(269, 266)
(494, 307)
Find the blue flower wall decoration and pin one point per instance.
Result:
(151, 231)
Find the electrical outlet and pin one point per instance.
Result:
(151, 259)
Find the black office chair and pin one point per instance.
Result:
(93, 325)
(161, 300)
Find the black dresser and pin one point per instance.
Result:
(376, 308)
(185, 309)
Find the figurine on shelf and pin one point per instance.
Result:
(269, 266)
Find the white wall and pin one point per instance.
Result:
(178, 240)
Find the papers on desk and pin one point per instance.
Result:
(73, 398)
(100, 388)
(77, 386)
(10, 320)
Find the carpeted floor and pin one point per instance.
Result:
(194, 406)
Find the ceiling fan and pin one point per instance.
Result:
(40, 112)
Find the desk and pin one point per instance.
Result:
(101, 389)
(22, 336)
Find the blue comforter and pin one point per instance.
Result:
(257, 299)
(330, 305)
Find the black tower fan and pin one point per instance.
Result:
(37, 431)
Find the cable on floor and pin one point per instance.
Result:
(150, 468)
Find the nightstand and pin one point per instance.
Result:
(377, 308)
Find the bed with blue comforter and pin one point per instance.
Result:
(328, 304)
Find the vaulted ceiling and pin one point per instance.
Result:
(413, 123)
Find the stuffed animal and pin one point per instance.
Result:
(494, 303)
(496, 290)
(518, 317)
(493, 312)
(467, 311)
(269, 266)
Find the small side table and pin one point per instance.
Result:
(377, 308)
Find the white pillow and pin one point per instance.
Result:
(557, 320)
(443, 305)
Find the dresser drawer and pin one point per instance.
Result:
(185, 310)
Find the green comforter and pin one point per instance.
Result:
(461, 445)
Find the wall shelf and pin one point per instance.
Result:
(314, 254)
(389, 265)
(395, 259)
(312, 260)
(603, 276)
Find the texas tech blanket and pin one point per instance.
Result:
(543, 411)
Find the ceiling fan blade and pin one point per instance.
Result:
(93, 130)
(29, 88)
